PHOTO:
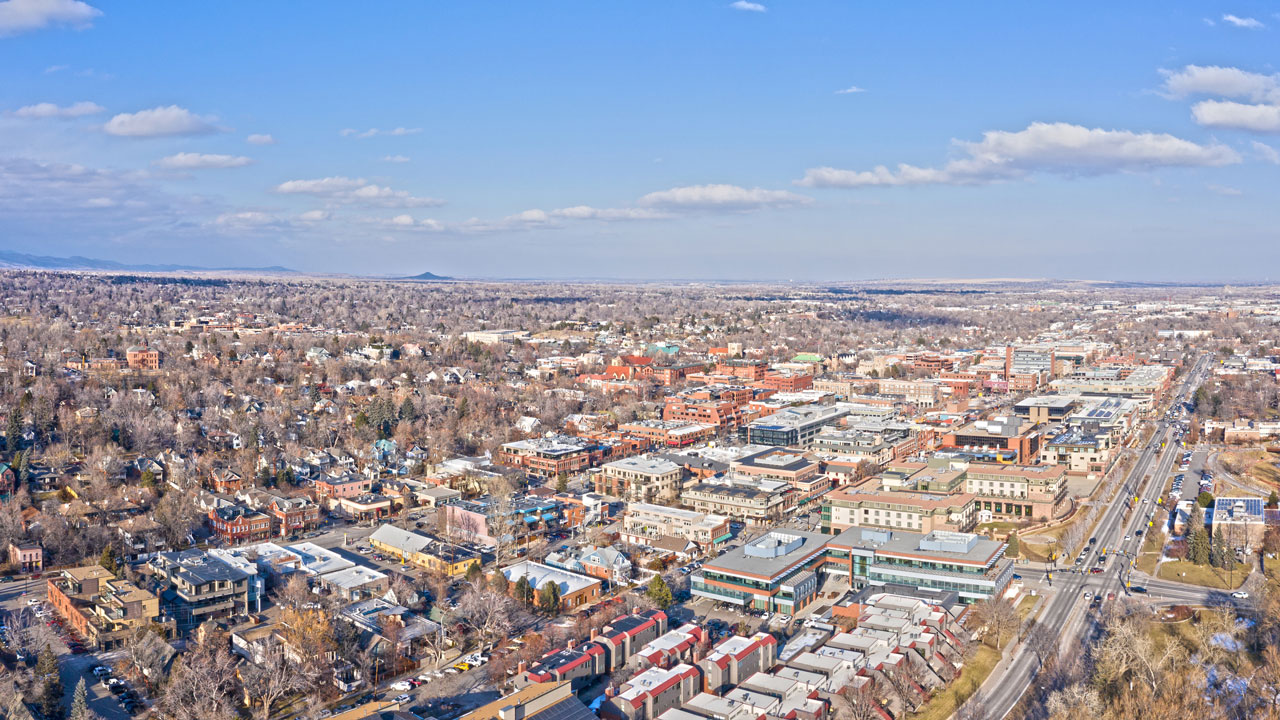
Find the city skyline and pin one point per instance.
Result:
(714, 140)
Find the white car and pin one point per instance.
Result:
(402, 686)
(402, 698)
(1240, 595)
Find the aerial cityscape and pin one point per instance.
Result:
(666, 361)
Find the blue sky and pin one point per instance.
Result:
(648, 139)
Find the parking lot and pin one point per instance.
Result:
(23, 610)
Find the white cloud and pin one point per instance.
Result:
(356, 191)
(50, 110)
(260, 139)
(1237, 116)
(159, 121)
(196, 161)
(1243, 22)
(1266, 152)
(395, 159)
(322, 186)
(315, 215)
(725, 197)
(586, 212)
(1221, 81)
(850, 90)
(374, 132)
(246, 219)
(747, 6)
(402, 220)
(55, 68)
(1223, 190)
(1059, 148)
(100, 202)
(18, 16)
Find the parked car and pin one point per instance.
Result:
(402, 698)
(401, 686)
(1240, 595)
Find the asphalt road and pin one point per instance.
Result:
(1067, 608)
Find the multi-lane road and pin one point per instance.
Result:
(1068, 608)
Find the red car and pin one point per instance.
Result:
(1095, 571)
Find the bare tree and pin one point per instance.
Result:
(273, 678)
(488, 613)
(855, 703)
(202, 686)
(1042, 641)
(996, 617)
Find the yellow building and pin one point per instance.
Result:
(424, 551)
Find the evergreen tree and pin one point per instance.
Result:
(549, 598)
(13, 433)
(407, 410)
(562, 484)
(46, 662)
(108, 560)
(1273, 500)
(500, 583)
(148, 479)
(659, 592)
(1221, 553)
(80, 703)
(51, 693)
(524, 593)
(1014, 546)
(1198, 548)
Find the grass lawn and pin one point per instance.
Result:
(1203, 575)
(1152, 547)
(944, 704)
(999, 526)
(1024, 607)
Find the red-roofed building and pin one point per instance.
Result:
(737, 658)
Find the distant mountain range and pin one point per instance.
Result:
(428, 276)
(23, 261)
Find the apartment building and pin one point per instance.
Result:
(99, 607)
(551, 456)
(640, 479)
(653, 692)
(719, 411)
(643, 523)
(915, 511)
(195, 586)
(668, 433)
(744, 498)
(921, 393)
(802, 471)
(1017, 491)
(236, 524)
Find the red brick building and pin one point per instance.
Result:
(238, 524)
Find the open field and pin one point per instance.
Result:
(1203, 575)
